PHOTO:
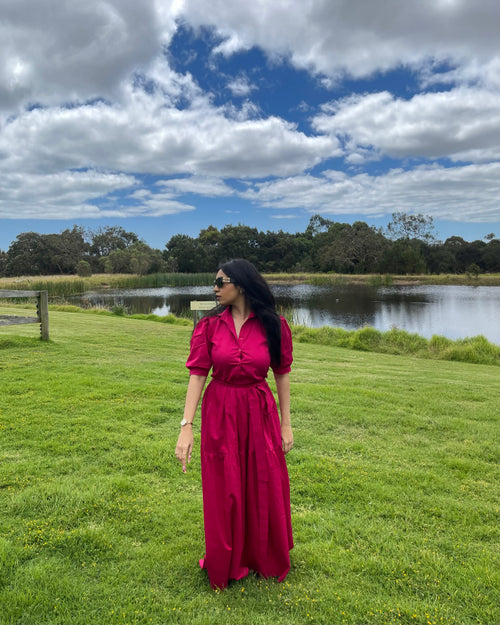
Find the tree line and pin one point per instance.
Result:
(406, 246)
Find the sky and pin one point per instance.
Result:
(165, 117)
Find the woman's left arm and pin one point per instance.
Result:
(283, 388)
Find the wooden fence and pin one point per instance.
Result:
(42, 311)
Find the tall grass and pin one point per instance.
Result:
(62, 286)
(337, 279)
(74, 285)
(477, 350)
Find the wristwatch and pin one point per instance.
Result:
(184, 422)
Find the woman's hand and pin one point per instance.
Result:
(286, 438)
(184, 446)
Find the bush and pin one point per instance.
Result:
(367, 339)
(83, 269)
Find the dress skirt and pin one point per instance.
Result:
(246, 490)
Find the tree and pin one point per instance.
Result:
(408, 226)
(3, 263)
(138, 258)
(239, 242)
(26, 255)
(64, 250)
(279, 251)
(317, 224)
(404, 257)
(186, 252)
(490, 256)
(109, 239)
(209, 243)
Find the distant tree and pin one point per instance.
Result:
(26, 255)
(409, 226)
(347, 248)
(465, 253)
(404, 257)
(439, 259)
(138, 258)
(303, 249)
(144, 259)
(490, 256)
(185, 252)
(64, 250)
(209, 239)
(109, 239)
(317, 224)
(3, 263)
(279, 251)
(239, 242)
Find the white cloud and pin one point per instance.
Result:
(109, 102)
(145, 136)
(461, 124)
(360, 38)
(56, 51)
(241, 86)
(468, 193)
(67, 195)
(201, 185)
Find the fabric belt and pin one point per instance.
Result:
(239, 384)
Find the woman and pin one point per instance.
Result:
(246, 492)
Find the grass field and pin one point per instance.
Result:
(394, 480)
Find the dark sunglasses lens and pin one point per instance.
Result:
(218, 282)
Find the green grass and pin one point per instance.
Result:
(394, 480)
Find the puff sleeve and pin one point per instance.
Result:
(200, 361)
(286, 349)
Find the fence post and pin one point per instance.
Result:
(43, 313)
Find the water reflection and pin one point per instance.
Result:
(452, 311)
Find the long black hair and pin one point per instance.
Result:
(260, 299)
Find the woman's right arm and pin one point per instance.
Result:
(185, 440)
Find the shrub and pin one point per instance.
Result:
(367, 339)
(83, 269)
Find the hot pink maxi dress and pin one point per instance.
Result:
(246, 490)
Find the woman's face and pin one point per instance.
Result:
(228, 293)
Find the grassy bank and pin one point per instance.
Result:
(476, 349)
(74, 285)
(394, 480)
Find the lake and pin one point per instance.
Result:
(452, 311)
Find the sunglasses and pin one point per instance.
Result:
(220, 282)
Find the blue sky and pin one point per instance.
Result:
(166, 117)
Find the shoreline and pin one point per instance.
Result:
(106, 281)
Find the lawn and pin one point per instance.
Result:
(394, 479)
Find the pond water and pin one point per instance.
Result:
(451, 311)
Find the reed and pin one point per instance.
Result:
(476, 350)
(63, 286)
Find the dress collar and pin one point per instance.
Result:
(226, 314)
